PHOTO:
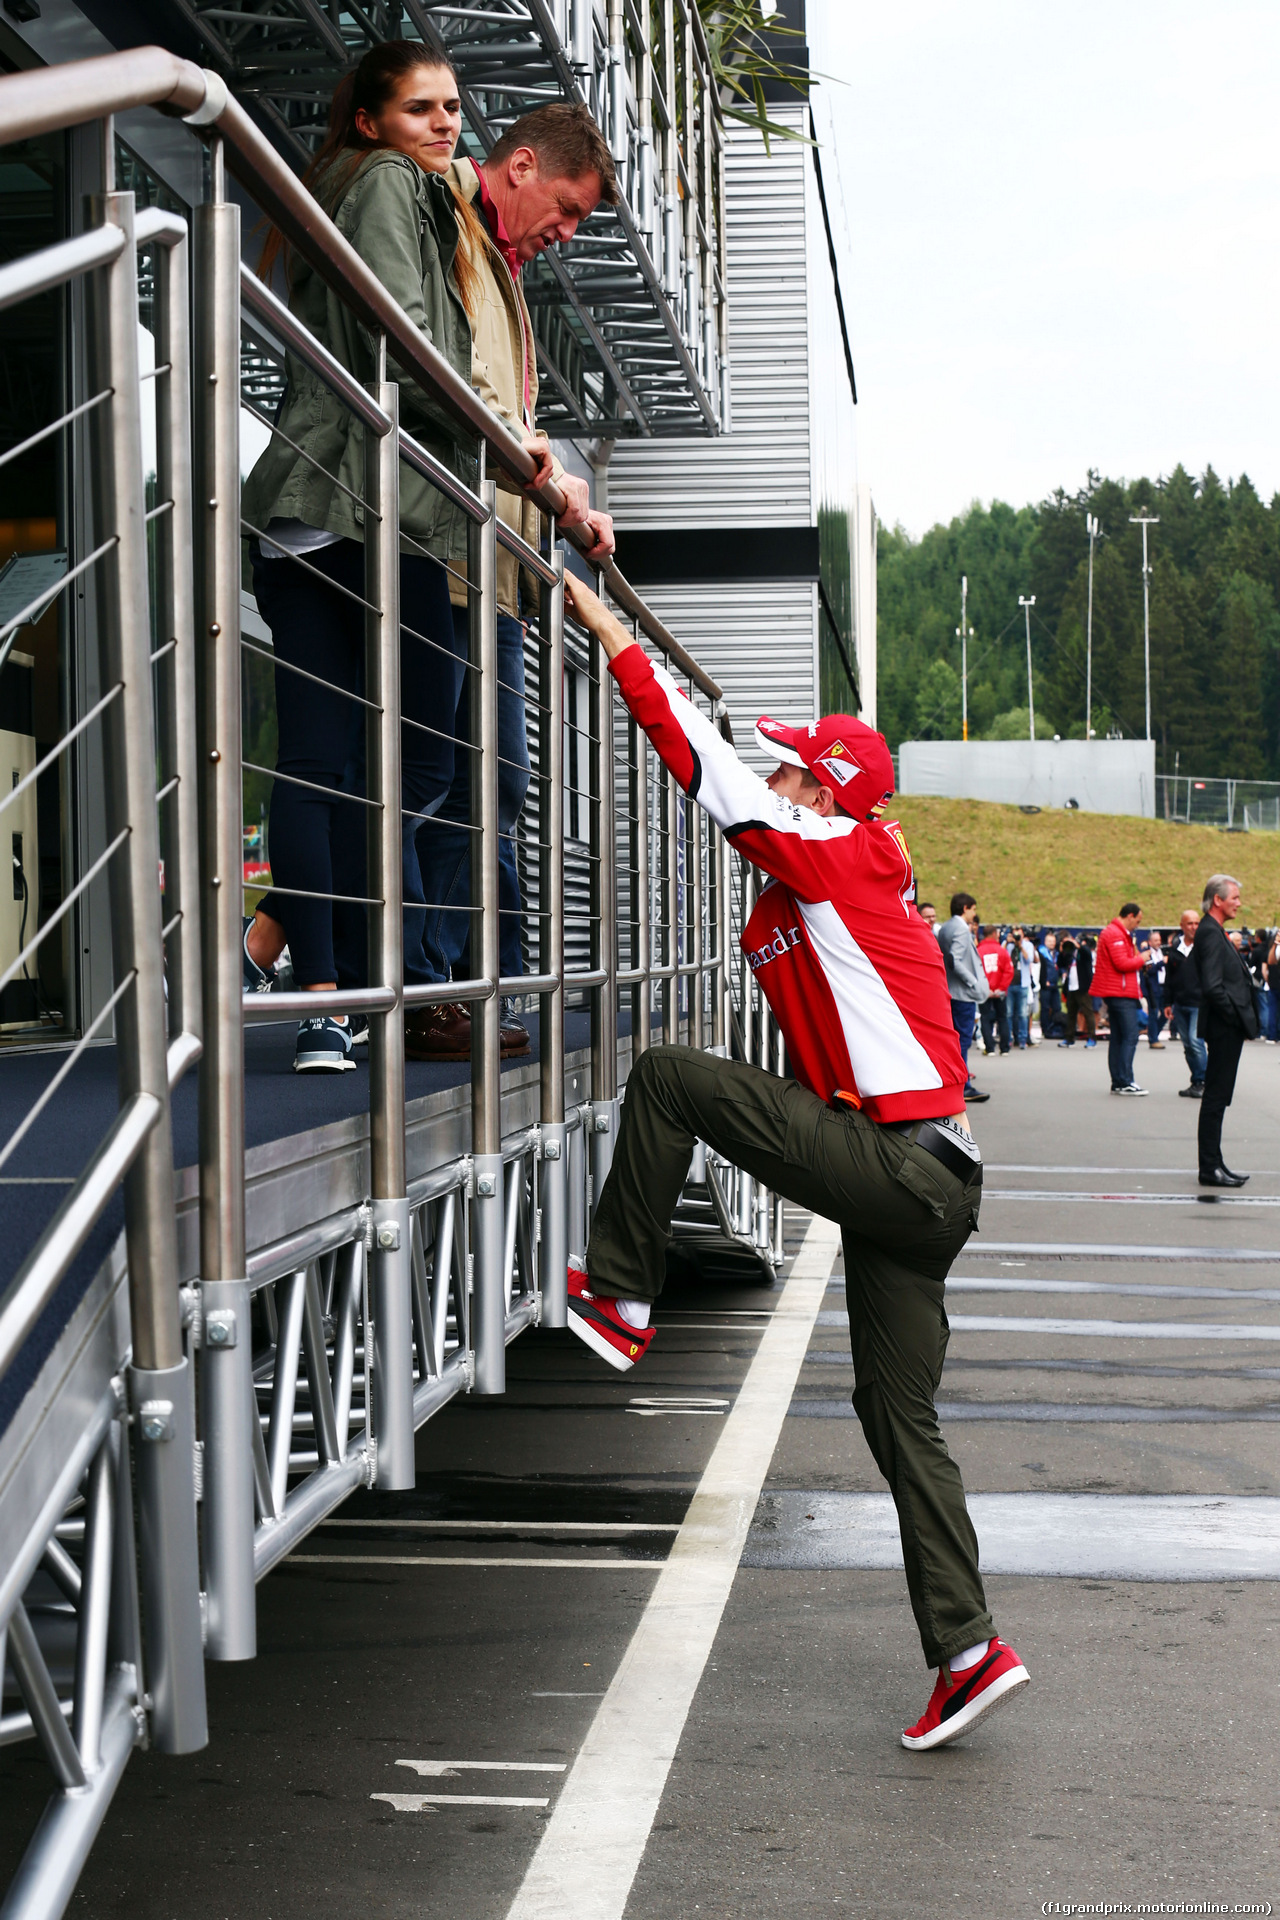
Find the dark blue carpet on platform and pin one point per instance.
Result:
(278, 1103)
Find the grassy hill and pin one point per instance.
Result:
(1062, 868)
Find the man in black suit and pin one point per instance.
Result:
(1230, 1018)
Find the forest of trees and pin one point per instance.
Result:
(1215, 624)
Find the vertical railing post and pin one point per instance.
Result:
(719, 855)
(604, 925)
(641, 933)
(553, 1261)
(390, 1269)
(671, 956)
(228, 1405)
(488, 1236)
(746, 1186)
(697, 981)
(180, 822)
(160, 1382)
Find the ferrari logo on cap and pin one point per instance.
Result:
(842, 771)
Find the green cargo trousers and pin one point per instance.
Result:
(903, 1218)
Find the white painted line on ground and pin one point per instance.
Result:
(519, 1526)
(1076, 1535)
(1114, 1250)
(1110, 1329)
(1127, 1173)
(428, 1802)
(444, 1769)
(977, 1283)
(459, 1560)
(1094, 1329)
(678, 1404)
(595, 1839)
(1135, 1199)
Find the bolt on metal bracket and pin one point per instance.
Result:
(156, 1421)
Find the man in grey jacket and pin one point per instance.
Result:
(966, 979)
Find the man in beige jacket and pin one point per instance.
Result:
(542, 179)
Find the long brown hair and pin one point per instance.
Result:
(367, 88)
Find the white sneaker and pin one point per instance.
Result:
(1133, 1089)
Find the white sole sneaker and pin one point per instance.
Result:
(968, 1717)
(597, 1342)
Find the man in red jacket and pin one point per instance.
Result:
(1117, 972)
(998, 967)
(871, 1132)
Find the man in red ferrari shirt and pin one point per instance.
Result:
(871, 1132)
(998, 967)
(1117, 973)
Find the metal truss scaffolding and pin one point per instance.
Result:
(631, 321)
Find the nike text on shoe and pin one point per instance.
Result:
(959, 1703)
(323, 1046)
(596, 1320)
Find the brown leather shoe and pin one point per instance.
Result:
(441, 1032)
(514, 1033)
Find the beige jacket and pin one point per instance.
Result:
(502, 345)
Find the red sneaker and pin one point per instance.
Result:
(959, 1703)
(595, 1319)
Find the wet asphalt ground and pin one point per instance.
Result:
(1118, 1405)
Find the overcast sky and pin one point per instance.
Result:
(1063, 233)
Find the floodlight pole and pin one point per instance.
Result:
(965, 633)
(1145, 520)
(1026, 604)
(1091, 524)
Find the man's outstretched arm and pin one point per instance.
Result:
(788, 841)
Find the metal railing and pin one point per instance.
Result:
(1248, 806)
(306, 1351)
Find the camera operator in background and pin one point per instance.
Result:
(1075, 962)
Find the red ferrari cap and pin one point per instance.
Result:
(843, 753)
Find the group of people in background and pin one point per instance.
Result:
(448, 237)
(1211, 986)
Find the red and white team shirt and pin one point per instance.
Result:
(853, 974)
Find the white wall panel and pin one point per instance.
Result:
(759, 473)
(757, 640)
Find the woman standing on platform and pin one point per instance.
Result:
(393, 126)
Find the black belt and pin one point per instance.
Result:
(934, 1141)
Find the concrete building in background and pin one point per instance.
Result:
(1096, 776)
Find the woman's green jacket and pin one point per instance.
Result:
(401, 222)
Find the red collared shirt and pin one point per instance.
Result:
(501, 238)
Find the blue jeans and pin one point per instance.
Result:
(444, 843)
(1123, 1016)
(963, 1017)
(317, 840)
(1183, 1023)
(1019, 1012)
(1266, 1012)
